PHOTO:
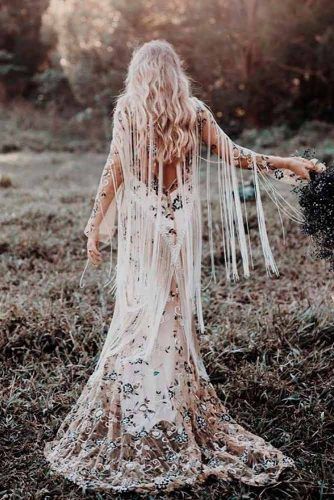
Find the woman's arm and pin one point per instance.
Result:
(276, 166)
(111, 179)
(235, 237)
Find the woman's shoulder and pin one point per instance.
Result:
(199, 105)
(203, 111)
(122, 112)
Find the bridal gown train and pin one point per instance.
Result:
(148, 419)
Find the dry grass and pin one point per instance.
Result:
(5, 181)
(268, 346)
(24, 126)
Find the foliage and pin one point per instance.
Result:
(20, 39)
(256, 63)
(93, 45)
(234, 51)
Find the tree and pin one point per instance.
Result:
(22, 53)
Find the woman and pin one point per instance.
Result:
(148, 417)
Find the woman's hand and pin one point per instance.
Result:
(93, 253)
(302, 167)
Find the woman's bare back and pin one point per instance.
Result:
(169, 178)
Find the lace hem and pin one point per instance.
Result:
(134, 477)
(205, 440)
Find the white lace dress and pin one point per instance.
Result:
(148, 419)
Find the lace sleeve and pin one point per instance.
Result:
(102, 219)
(225, 164)
(271, 166)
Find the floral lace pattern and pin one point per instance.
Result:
(116, 436)
(172, 203)
(101, 219)
(262, 162)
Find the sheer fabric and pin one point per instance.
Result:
(148, 417)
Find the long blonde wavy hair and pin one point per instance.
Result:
(158, 95)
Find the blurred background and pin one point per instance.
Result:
(256, 63)
(266, 68)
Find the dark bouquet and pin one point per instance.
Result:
(316, 200)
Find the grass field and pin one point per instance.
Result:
(268, 346)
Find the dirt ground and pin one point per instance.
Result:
(268, 346)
